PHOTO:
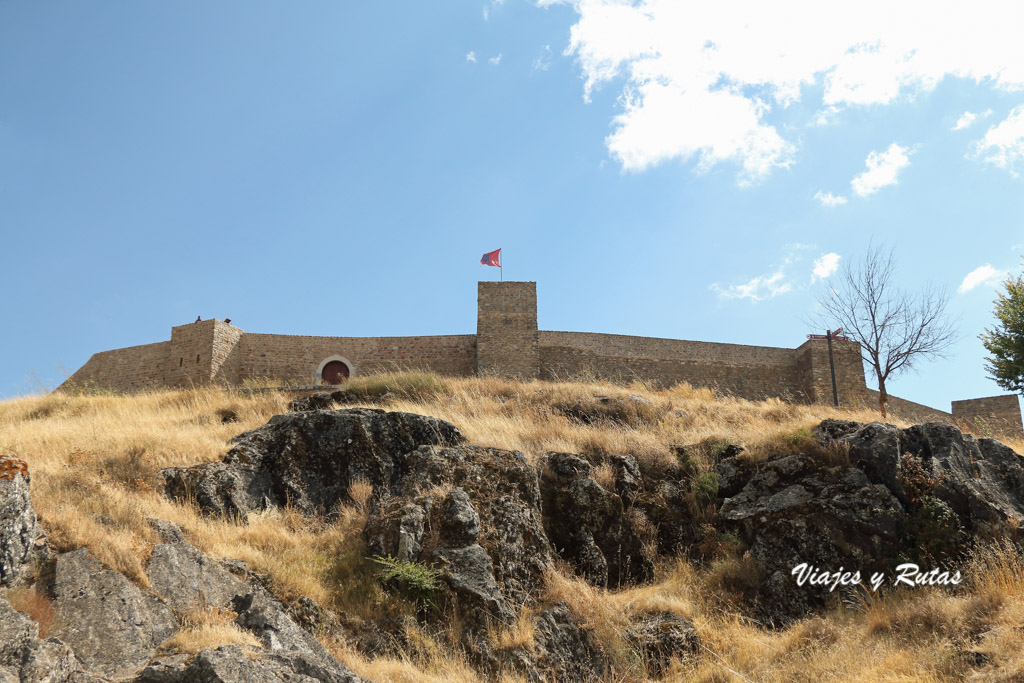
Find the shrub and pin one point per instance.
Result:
(935, 529)
(415, 581)
(917, 481)
(705, 488)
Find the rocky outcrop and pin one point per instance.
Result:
(188, 579)
(323, 400)
(24, 658)
(661, 636)
(227, 664)
(562, 650)
(468, 569)
(112, 625)
(798, 509)
(631, 410)
(476, 508)
(874, 494)
(982, 480)
(185, 577)
(19, 531)
(588, 524)
(287, 643)
(308, 460)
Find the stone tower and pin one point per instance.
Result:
(506, 330)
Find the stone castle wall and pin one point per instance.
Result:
(992, 416)
(128, 369)
(998, 414)
(508, 343)
(297, 358)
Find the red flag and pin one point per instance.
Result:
(491, 258)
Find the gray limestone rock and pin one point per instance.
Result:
(307, 460)
(628, 480)
(583, 520)
(18, 528)
(797, 509)
(565, 650)
(17, 632)
(226, 664)
(470, 575)
(661, 636)
(323, 400)
(26, 659)
(495, 505)
(286, 642)
(562, 650)
(168, 669)
(113, 626)
(982, 480)
(51, 661)
(187, 578)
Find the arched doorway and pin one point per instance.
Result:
(335, 372)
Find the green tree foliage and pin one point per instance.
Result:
(1006, 340)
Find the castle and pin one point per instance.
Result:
(507, 343)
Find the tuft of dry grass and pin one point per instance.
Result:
(360, 490)
(37, 606)
(203, 629)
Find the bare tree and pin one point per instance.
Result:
(895, 329)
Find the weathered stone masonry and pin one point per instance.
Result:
(508, 343)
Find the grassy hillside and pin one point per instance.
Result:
(95, 461)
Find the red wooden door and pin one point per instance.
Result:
(335, 372)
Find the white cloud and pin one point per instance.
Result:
(777, 280)
(765, 286)
(825, 266)
(883, 169)
(495, 61)
(1003, 144)
(982, 275)
(471, 57)
(968, 119)
(711, 81)
(826, 116)
(487, 9)
(829, 199)
(543, 61)
(757, 289)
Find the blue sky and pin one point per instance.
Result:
(660, 168)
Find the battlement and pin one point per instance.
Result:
(508, 343)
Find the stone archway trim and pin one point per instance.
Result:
(317, 379)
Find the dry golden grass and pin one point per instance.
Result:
(35, 605)
(202, 629)
(95, 461)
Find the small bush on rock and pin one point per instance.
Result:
(416, 581)
(917, 481)
(705, 488)
(935, 529)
